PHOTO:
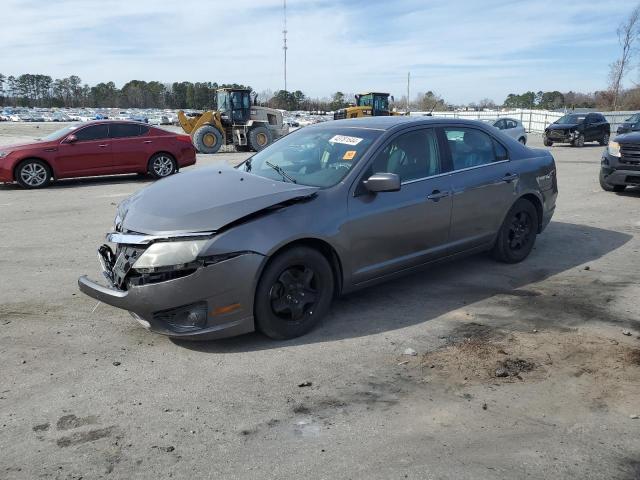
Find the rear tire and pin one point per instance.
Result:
(259, 138)
(517, 234)
(207, 139)
(162, 165)
(33, 174)
(547, 142)
(607, 187)
(522, 140)
(604, 140)
(294, 293)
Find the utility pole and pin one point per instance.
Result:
(408, 88)
(284, 44)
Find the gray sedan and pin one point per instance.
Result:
(511, 127)
(324, 211)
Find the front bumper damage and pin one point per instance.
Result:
(620, 171)
(561, 136)
(208, 301)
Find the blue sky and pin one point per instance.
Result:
(464, 50)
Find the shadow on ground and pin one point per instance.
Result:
(88, 182)
(441, 289)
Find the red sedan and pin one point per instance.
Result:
(96, 148)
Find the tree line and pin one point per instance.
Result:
(37, 90)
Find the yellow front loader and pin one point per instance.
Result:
(371, 104)
(236, 122)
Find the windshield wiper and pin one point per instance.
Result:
(281, 171)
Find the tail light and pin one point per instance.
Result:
(183, 138)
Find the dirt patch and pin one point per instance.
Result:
(633, 356)
(607, 363)
(85, 437)
(71, 421)
(513, 367)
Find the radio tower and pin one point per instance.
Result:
(284, 44)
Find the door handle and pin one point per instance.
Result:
(103, 145)
(510, 177)
(147, 141)
(437, 195)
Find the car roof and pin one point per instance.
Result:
(111, 120)
(391, 122)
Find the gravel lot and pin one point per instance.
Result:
(87, 393)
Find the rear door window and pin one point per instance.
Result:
(124, 130)
(472, 148)
(93, 132)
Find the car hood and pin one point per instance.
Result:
(27, 146)
(566, 126)
(205, 200)
(631, 137)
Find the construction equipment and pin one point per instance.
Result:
(371, 104)
(237, 121)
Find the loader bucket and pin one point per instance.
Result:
(187, 123)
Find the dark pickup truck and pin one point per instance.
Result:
(620, 166)
(577, 128)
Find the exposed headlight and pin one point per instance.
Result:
(166, 254)
(613, 149)
(3, 154)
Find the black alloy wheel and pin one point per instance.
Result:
(294, 293)
(518, 233)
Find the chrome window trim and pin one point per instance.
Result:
(454, 171)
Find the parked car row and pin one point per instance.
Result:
(153, 116)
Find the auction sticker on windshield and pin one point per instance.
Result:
(345, 140)
(349, 155)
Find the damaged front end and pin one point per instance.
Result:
(169, 287)
(144, 259)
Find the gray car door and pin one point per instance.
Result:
(391, 231)
(483, 186)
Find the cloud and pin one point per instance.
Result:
(463, 49)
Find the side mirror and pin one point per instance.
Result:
(382, 182)
(71, 139)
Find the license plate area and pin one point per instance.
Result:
(116, 266)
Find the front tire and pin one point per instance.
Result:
(522, 140)
(517, 234)
(207, 139)
(259, 138)
(294, 293)
(604, 140)
(547, 142)
(162, 165)
(578, 142)
(33, 174)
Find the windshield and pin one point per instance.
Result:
(365, 100)
(223, 104)
(318, 157)
(381, 103)
(633, 118)
(60, 133)
(570, 119)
